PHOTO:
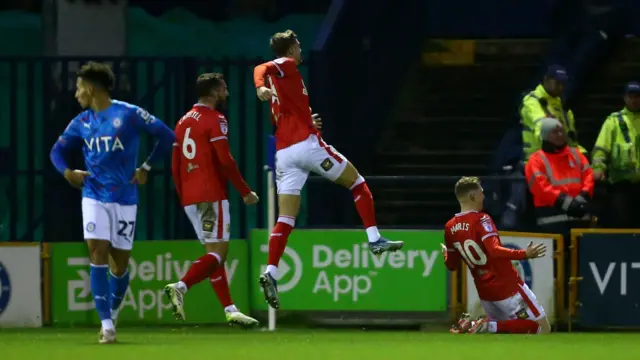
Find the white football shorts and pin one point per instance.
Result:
(294, 163)
(522, 305)
(113, 222)
(211, 221)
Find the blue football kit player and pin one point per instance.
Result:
(109, 133)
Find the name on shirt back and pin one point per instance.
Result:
(460, 226)
(192, 114)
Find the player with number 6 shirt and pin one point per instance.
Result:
(201, 165)
(472, 237)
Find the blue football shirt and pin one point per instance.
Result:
(110, 140)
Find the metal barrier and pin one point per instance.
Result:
(37, 101)
(409, 201)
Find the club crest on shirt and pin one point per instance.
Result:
(224, 127)
(486, 224)
(327, 164)
(116, 122)
(91, 227)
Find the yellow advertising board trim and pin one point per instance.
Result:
(46, 283)
(447, 52)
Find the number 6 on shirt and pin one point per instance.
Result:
(472, 260)
(188, 145)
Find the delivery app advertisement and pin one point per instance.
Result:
(334, 270)
(153, 265)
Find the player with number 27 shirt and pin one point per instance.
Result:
(201, 165)
(472, 237)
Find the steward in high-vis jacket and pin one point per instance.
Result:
(616, 159)
(545, 102)
(560, 180)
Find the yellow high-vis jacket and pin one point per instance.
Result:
(617, 152)
(536, 106)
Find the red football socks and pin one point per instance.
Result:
(279, 237)
(201, 269)
(220, 285)
(364, 204)
(517, 326)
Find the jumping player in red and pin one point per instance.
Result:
(471, 235)
(202, 165)
(300, 150)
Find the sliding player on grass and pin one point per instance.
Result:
(471, 236)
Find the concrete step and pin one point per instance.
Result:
(420, 214)
(433, 169)
(434, 157)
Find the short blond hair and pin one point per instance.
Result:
(466, 185)
(280, 43)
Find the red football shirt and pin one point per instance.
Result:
(472, 236)
(290, 111)
(202, 161)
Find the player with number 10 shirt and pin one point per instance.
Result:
(201, 165)
(472, 237)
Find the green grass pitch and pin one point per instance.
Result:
(231, 344)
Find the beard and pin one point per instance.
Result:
(222, 105)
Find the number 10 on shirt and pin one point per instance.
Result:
(472, 260)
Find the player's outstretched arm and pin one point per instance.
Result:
(535, 251)
(155, 127)
(496, 250)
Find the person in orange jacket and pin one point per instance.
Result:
(560, 180)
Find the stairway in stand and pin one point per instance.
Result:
(603, 94)
(452, 118)
(449, 124)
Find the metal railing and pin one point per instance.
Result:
(37, 99)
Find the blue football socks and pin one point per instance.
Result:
(117, 289)
(100, 290)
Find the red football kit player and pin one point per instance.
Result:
(202, 165)
(472, 237)
(301, 150)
